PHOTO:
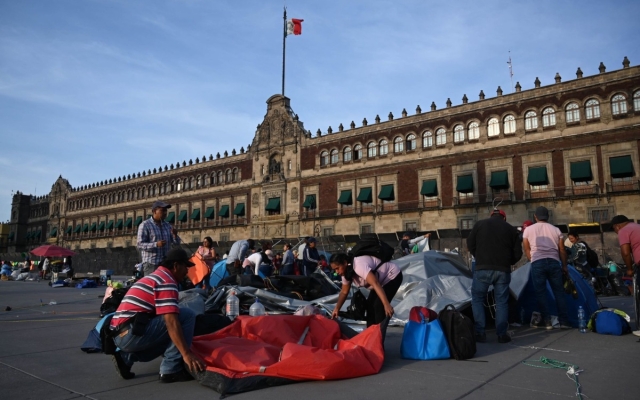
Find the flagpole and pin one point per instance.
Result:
(284, 43)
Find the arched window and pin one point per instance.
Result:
(572, 113)
(592, 109)
(636, 101)
(427, 139)
(229, 176)
(173, 186)
(474, 131)
(530, 121)
(548, 117)
(235, 175)
(166, 187)
(212, 179)
(398, 144)
(384, 147)
(155, 190)
(220, 179)
(324, 158)
(357, 152)
(411, 142)
(493, 128)
(458, 134)
(198, 181)
(189, 183)
(372, 149)
(441, 137)
(334, 156)
(619, 104)
(509, 124)
(144, 192)
(346, 154)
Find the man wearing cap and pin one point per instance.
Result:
(149, 323)
(544, 247)
(311, 258)
(496, 247)
(155, 237)
(237, 254)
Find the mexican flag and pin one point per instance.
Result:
(294, 26)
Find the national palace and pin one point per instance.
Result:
(572, 146)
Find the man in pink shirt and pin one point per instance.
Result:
(544, 247)
(629, 239)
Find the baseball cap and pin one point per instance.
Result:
(526, 224)
(542, 213)
(502, 213)
(176, 255)
(160, 204)
(311, 239)
(619, 219)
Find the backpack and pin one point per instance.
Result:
(373, 247)
(608, 322)
(592, 256)
(459, 331)
(111, 304)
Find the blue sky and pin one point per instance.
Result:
(96, 89)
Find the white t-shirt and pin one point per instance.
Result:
(543, 239)
(253, 261)
(364, 264)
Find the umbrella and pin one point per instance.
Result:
(50, 250)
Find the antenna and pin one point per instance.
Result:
(495, 206)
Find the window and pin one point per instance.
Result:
(572, 113)
(190, 185)
(636, 101)
(398, 145)
(581, 174)
(493, 127)
(600, 215)
(530, 121)
(411, 142)
(213, 180)
(458, 134)
(411, 226)
(229, 176)
(324, 158)
(235, 175)
(474, 131)
(289, 165)
(327, 232)
(592, 109)
(372, 150)
(538, 178)
(366, 229)
(346, 154)
(384, 147)
(427, 139)
(548, 117)
(441, 137)
(220, 180)
(466, 223)
(334, 156)
(509, 124)
(198, 181)
(224, 237)
(357, 152)
(619, 104)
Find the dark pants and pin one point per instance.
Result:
(482, 280)
(375, 307)
(287, 269)
(549, 269)
(233, 270)
(308, 268)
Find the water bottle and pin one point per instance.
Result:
(233, 306)
(257, 309)
(582, 322)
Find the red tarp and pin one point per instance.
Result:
(257, 352)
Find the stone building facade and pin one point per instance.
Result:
(571, 146)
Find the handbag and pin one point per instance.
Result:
(358, 307)
(424, 340)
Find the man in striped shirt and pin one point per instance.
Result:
(155, 237)
(149, 323)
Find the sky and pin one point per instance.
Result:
(96, 89)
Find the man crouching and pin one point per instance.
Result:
(149, 323)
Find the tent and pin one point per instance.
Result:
(522, 290)
(259, 352)
(218, 273)
(93, 344)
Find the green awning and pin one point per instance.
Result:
(224, 211)
(93, 227)
(345, 198)
(38, 233)
(138, 220)
(210, 213)
(54, 232)
(110, 225)
(128, 223)
(499, 180)
(77, 229)
(11, 234)
(239, 210)
(195, 214)
(621, 167)
(465, 184)
(85, 228)
(273, 204)
(182, 217)
(581, 171)
(537, 176)
(28, 235)
(69, 229)
(310, 201)
(386, 193)
(365, 195)
(429, 188)
(171, 218)
(119, 224)
(101, 226)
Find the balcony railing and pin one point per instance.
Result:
(539, 194)
(461, 201)
(505, 195)
(626, 186)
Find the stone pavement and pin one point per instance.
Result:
(40, 358)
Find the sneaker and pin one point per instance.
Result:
(636, 333)
(123, 370)
(481, 337)
(547, 325)
(180, 376)
(504, 339)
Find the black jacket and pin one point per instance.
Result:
(495, 244)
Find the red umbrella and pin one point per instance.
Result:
(50, 250)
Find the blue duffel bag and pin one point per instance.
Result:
(608, 322)
(424, 340)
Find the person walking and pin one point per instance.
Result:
(311, 257)
(495, 244)
(287, 261)
(155, 237)
(544, 247)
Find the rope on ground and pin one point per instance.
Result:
(540, 348)
(572, 371)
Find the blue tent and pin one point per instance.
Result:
(218, 273)
(522, 289)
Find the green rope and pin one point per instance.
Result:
(572, 370)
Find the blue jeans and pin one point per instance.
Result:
(156, 342)
(482, 279)
(549, 269)
(265, 270)
(287, 269)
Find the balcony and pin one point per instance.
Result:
(504, 194)
(539, 194)
(624, 186)
(465, 200)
